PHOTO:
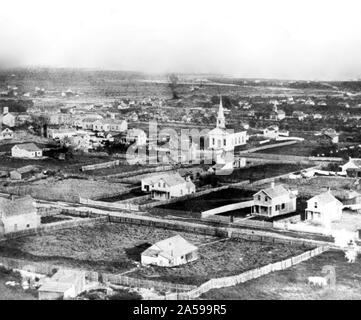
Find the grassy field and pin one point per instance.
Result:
(116, 248)
(67, 189)
(221, 259)
(292, 283)
(109, 247)
(211, 200)
(259, 172)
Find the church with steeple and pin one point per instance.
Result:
(221, 139)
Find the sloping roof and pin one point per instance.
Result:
(324, 198)
(276, 191)
(172, 179)
(170, 248)
(28, 146)
(354, 161)
(218, 131)
(26, 169)
(18, 206)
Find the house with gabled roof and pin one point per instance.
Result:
(64, 284)
(26, 150)
(352, 167)
(6, 134)
(273, 201)
(323, 208)
(23, 172)
(170, 252)
(167, 186)
(17, 214)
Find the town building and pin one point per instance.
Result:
(167, 186)
(17, 214)
(6, 134)
(352, 168)
(273, 201)
(64, 284)
(23, 172)
(323, 208)
(26, 150)
(170, 252)
(277, 114)
(299, 115)
(221, 139)
(271, 132)
(331, 134)
(110, 125)
(8, 120)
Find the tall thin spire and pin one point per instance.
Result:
(221, 121)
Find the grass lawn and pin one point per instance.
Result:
(110, 247)
(292, 283)
(211, 200)
(67, 189)
(221, 259)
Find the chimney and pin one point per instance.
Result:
(5, 110)
(272, 185)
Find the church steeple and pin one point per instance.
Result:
(221, 121)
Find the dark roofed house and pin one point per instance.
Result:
(17, 214)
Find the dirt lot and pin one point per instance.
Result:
(116, 248)
(67, 189)
(292, 283)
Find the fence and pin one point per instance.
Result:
(246, 276)
(120, 206)
(275, 145)
(102, 165)
(229, 207)
(143, 283)
(55, 226)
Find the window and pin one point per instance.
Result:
(259, 198)
(266, 199)
(315, 204)
(224, 142)
(283, 206)
(213, 142)
(277, 207)
(181, 192)
(28, 225)
(159, 184)
(163, 184)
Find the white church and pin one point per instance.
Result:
(222, 139)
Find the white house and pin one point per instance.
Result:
(277, 114)
(64, 284)
(271, 132)
(323, 208)
(26, 150)
(169, 185)
(17, 214)
(352, 168)
(170, 252)
(273, 201)
(220, 138)
(8, 120)
(6, 134)
(61, 133)
(110, 125)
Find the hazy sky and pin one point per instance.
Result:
(308, 39)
